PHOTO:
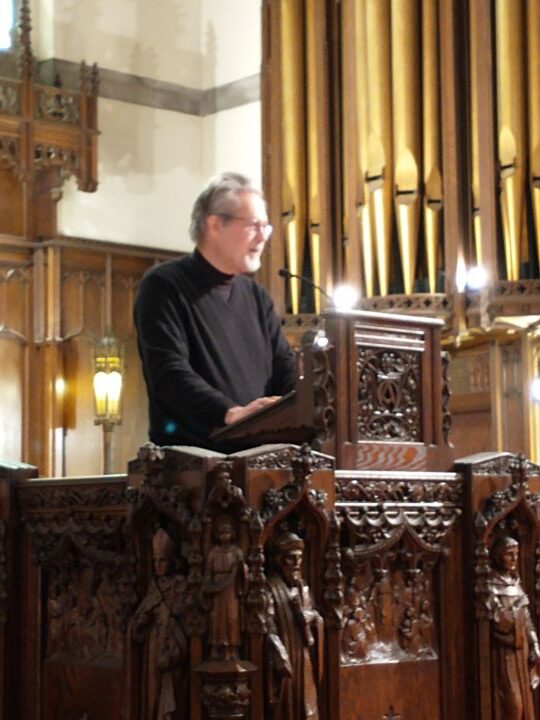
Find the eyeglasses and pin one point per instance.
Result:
(256, 227)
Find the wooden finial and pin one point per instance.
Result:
(94, 80)
(84, 80)
(25, 26)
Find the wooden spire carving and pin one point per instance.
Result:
(47, 134)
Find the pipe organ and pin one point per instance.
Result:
(422, 136)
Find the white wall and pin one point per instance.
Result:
(152, 163)
(233, 141)
(230, 40)
(149, 169)
(158, 39)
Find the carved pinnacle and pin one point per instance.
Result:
(25, 27)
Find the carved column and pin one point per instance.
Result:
(77, 596)
(503, 508)
(12, 617)
(47, 134)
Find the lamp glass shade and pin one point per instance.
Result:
(108, 366)
(114, 392)
(100, 393)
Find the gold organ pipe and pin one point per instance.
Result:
(362, 215)
(533, 37)
(294, 149)
(313, 123)
(431, 137)
(405, 108)
(510, 109)
(475, 151)
(378, 162)
(368, 260)
(352, 127)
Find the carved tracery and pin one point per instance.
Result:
(396, 534)
(9, 98)
(226, 550)
(324, 387)
(57, 126)
(87, 565)
(507, 531)
(389, 394)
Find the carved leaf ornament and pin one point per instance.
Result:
(389, 395)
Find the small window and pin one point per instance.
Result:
(6, 24)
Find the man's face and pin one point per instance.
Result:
(291, 566)
(509, 558)
(234, 241)
(225, 534)
(161, 564)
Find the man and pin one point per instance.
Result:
(294, 647)
(210, 342)
(515, 652)
(157, 621)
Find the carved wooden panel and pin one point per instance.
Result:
(9, 97)
(472, 432)
(389, 395)
(10, 152)
(397, 530)
(83, 301)
(391, 368)
(507, 531)
(253, 573)
(470, 372)
(15, 278)
(124, 287)
(15, 332)
(87, 573)
(228, 558)
(57, 105)
(11, 196)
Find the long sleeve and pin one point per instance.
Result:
(204, 352)
(283, 363)
(181, 392)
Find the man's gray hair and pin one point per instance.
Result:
(219, 196)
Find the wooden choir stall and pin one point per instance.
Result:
(338, 565)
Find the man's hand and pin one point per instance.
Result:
(240, 412)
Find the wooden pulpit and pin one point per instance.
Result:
(375, 396)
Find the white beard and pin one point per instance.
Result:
(252, 263)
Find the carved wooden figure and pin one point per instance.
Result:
(515, 651)
(295, 641)
(58, 605)
(86, 626)
(167, 657)
(224, 585)
(359, 631)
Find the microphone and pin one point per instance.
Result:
(284, 273)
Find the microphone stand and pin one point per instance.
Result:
(287, 274)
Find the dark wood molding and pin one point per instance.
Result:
(148, 92)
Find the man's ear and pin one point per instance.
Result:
(213, 224)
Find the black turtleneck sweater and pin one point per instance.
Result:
(208, 342)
